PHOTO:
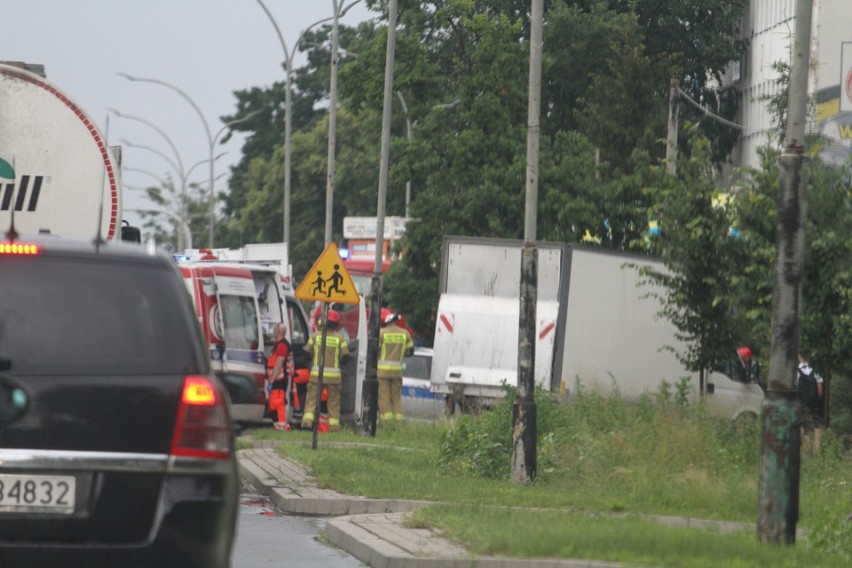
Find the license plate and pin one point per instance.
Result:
(37, 494)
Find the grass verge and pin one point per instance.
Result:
(596, 456)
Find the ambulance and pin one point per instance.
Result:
(239, 296)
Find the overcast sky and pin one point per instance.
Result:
(206, 48)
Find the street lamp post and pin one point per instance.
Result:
(187, 234)
(211, 141)
(174, 165)
(288, 110)
(149, 173)
(162, 182)
(371, 383)
(408, 135)
(178, 164)
(288, 90)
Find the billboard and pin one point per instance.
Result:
(846, 76)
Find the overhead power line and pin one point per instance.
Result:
(708, 113)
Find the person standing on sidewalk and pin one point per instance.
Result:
(810, 389)
(279, 377)
(336, 354)
(394, 345)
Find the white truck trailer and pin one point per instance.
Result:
(594, 324)
(57, 173)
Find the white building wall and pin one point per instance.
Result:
(770, 26)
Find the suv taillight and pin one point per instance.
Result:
(202, 429)
(19, 249)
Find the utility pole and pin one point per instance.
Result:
(780, 452)
(371, 382)
(287, 64)
(671, 138)
(408, 136)
(332, 121)
(524, 429)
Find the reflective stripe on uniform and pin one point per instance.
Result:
(333, 370)
(393, 350)
(329, 372)
(390, 365)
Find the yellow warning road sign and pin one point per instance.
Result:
(328, 280)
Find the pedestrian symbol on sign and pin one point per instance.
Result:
(338, 287)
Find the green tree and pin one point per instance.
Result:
(467, 157)
(699, 253)
(265, 129)
(462, 67)
(826, 308)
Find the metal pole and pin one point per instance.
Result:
(780, 454)
(371, 383)
(288, 136)
(204, 123)
(288, 110)
(408, 136)
(524, 432)
(318, 407)
(332, 122)
(211, 141)
(175, 217)
(671, 139)
(179, 163)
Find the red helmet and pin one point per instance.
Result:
(388, 316)
(384, 314)
(744, 352)
(333, 317)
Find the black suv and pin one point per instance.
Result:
(123, 455)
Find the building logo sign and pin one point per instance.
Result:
(846, 76)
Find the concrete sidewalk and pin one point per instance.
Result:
(371, 530)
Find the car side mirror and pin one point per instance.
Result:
(14, 400)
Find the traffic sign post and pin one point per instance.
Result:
(327, 281)
(318, 407)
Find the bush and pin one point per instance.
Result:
(482, 445)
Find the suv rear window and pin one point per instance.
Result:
(91, 317)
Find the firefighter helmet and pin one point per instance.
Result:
(389, 318)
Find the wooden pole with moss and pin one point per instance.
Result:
(780, 454)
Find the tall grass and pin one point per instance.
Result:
(657, 456)
(595, 453)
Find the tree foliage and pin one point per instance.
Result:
(826, 307)
(462, 68)
(699, 253)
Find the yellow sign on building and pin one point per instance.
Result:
(328, 280)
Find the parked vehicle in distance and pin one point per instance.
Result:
(418, 400)
(125, 456)
(239, 295)
(597, 325)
